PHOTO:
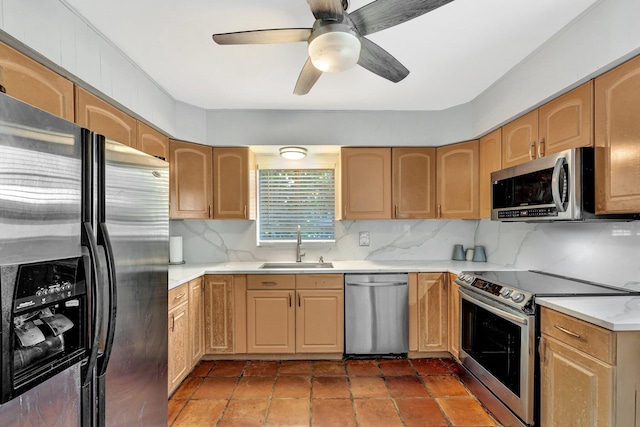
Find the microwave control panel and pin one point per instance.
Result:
(528, 213)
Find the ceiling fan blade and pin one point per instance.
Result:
(380, 62)
(327, 10)
(279, 35)
(308, 77)
(382, 14)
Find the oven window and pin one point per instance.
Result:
(494, 342)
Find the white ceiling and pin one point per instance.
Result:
(453, 53)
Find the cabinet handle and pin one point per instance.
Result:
(269, 283)
(541, 148)
(180, 296)
(209, 211)
(173, 322)
(566, 331)
(344, 210)
(532, 150)
(299, 299)
(396, 213)
(245, 211)
(439, 212)
(289, 299)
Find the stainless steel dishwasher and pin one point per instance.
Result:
(376, 314)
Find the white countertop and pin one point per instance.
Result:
(620, 313)
(179, 274)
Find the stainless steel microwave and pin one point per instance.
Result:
(558, 187)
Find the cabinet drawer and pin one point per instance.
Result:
(271, 281)
(178, 295)
(591, 339)
(319, 281)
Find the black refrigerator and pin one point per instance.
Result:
(84, 234)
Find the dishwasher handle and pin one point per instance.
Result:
(371, 284)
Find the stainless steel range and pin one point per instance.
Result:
(499, 336)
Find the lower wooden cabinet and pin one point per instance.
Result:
(270, 321)
(219, 314)
(179, 360)
(320, 321)
(196, 320)
(432, 312)
(454, 316)
(589, 375)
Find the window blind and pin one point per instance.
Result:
(292, 197)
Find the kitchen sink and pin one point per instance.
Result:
(297, 265)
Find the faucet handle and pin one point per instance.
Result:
(321, 260)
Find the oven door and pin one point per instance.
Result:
(497, 346)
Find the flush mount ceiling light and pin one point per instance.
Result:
(293, 153)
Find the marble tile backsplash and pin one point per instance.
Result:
(606, 252)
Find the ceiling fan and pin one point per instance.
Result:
(337, 42)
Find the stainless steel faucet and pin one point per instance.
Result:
(299, 254)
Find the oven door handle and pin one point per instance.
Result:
(494, 310)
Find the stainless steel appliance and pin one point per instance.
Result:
(376, 314)
(84, 235)
(499, 336)
(558, 187)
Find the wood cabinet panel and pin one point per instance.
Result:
(219, 314)
(432, 307)
(457, 190)
(490, 161)
(196, 320)
(320, 321)
(414, 182)
(178, 295)
(454, 316)
(271, 281)
(152, 142)
(178, 345)
(105, 119)
(190, 183)
(33, 83)
(270, 321)
(519, 140)
(366, 183)
(319, 281)
(617, 139)
(567, 121)
(233, 169)
(577, 390)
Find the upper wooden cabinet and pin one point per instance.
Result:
(457, 170)
(190, 192)
(519, 139)
(152, 142)
(617, 139)
(33, 83)
(566, 122)
(366, 183)
(490, 161)
(414, 182)
(103, 118)
(233, 183)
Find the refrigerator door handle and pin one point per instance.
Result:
(95, 298)
(105, 242)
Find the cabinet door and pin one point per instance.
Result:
(454, 316)
(617, 139)
(231, 183)
(190, 192)
(219, 315)
(519, 140)
(566, 122)
(319, 321)
(152, 142)
(178, 345)
(414, 182)
(576, 389)
(490, 161)
(270, 322)
(33, 83)
(432, 312)
(196, 320)
(105, 119)
(366, 183)
(458, 181)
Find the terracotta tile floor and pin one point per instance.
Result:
(363, 393)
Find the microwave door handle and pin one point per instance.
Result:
(556, 182)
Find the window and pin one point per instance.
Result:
(291, 197)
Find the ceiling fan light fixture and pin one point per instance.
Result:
(334, 51)
(293, 153)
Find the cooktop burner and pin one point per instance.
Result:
(519, 288)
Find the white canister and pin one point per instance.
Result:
(175, 250)
(469, 254)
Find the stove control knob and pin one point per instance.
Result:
(517, 297)
(505, 292)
